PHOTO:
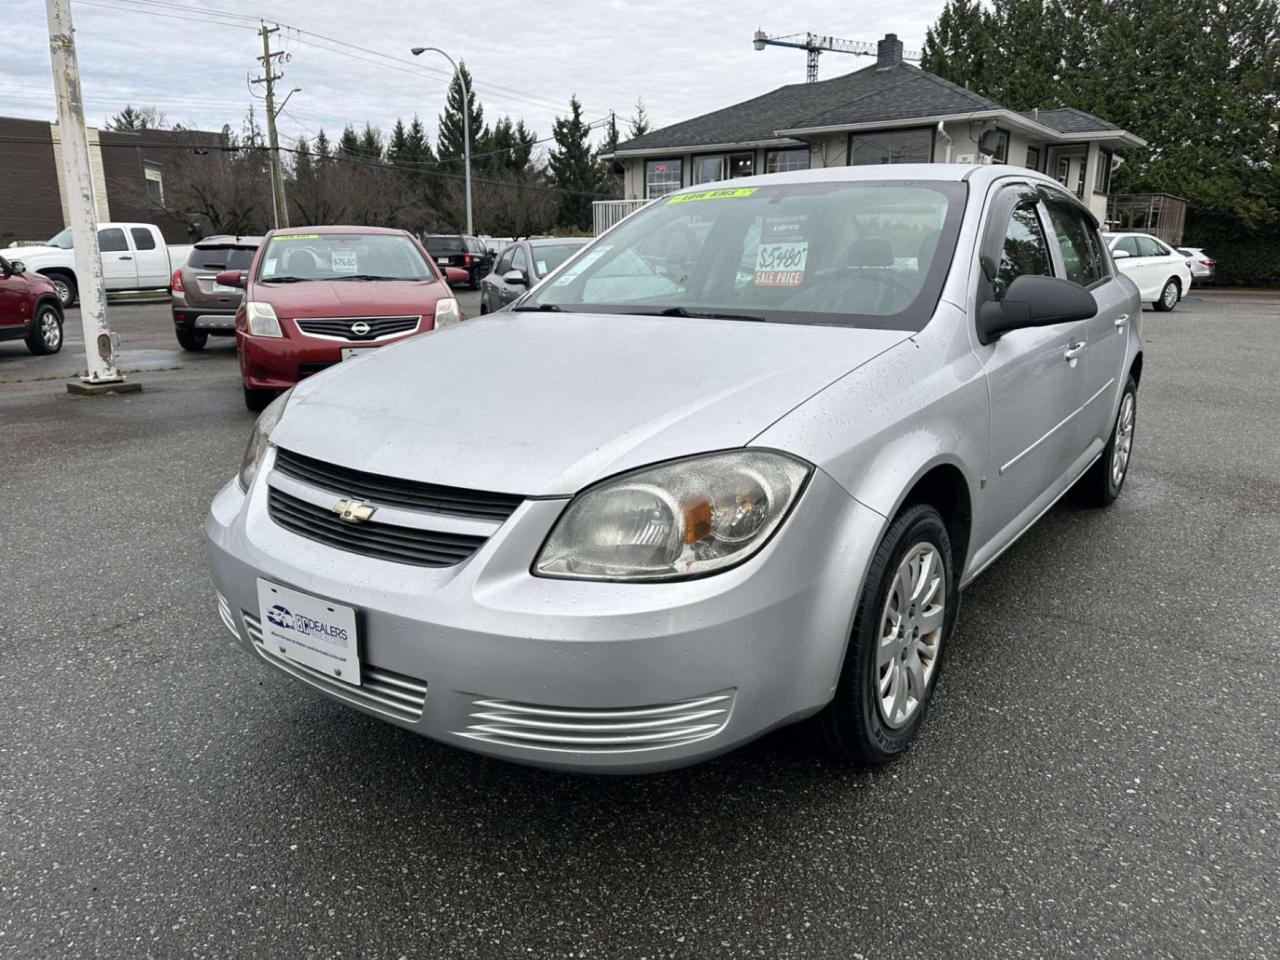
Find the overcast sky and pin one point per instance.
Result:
(527, 58)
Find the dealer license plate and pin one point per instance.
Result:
(309, 630)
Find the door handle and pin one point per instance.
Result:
(1074, 351)
(125, 256)
(1122, 320)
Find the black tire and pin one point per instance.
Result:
(45, 336)
(1167, 300)
(257, 400)
(68, 292)
(192, 339)
(1099, 486)
(853, 725)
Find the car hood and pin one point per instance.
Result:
(351, 298)
(545, 404)
(30, 254)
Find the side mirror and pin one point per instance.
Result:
(516, 278)
(1034, 301)
(232, 278)
(1120, 254)
(17, 266)
(456, 275)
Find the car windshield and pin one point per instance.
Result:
(61, 239)
(863, 253)
(546, 257)
(221, 258)
(444, 245)
(339, 256)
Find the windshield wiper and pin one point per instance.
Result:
(542, 307)
(286, 280)
(698, 314)
(369, 276)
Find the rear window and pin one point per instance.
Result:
(445, 245)
(221, 258)
(547, 257)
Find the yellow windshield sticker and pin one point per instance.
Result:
(298, 236)
(723, 194)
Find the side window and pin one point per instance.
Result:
(111, 240)
(520, 261)
(504, 262)
(1150, 248)
(142, 238)
(1025, 250)
(1081, 257)
(1129, 245)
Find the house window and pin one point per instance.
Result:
(154, 182)
(780, 161)
(1080, 176)
(891, 146)
(1102, 182)
(1033, 158)
(1002, 147)
(662, 177)
(723, 167)
(1063, 170)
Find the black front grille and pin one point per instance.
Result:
(422, 548)
(342, 326)
(392, 491)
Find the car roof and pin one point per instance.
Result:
(336, 228)
(553, 241)
(226, 239)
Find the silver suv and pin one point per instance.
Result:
(728, 467)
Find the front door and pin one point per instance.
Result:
(15, 299)
(1035, 386)
(119, 268)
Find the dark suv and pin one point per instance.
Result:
(202, 306)
(458, 250)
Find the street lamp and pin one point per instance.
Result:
(466, 121)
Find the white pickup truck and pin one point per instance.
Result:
(134, 257)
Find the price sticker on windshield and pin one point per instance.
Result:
(343, 261)
(781, 264)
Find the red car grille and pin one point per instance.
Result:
(357, 328)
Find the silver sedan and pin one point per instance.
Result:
(727, 468)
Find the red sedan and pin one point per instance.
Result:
(29, 308)
(316, 296)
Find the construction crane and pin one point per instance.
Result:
(813, 45)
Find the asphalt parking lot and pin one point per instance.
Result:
(1099, 777)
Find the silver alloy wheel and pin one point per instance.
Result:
(1170, 295)
(910, 634)
(50, 329)
(1123, 442)
(63, 289)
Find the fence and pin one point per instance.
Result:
(605, 213)
(1160, 214)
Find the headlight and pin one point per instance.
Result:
(680, 519)
(447, 312)
(257, 448)
(261, 319)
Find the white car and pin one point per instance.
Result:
(134, 257)
(1202, 265)
(1161, 273)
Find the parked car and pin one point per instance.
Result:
(650, 513)
(201, 305)
(522, 265)
(134, 257)
(465, 253)
(316, 296)
(29, 308)
(1161, 274)
(1202, 266)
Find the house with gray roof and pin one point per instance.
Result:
(888, 112)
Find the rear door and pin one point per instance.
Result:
(150, 255)
(1105, 336)
(119, 265)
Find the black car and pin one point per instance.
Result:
(459, 250)
(523, 264)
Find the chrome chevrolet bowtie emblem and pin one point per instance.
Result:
(360, 328)
(354, 511)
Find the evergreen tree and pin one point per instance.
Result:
(349, 144)
(449, 143)
(610, 179)
(572, 168)
(324, 152)
(639, 123)
(371, 147)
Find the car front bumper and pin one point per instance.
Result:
(277, 363)
(598, 677)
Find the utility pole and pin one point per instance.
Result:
(268, 79)
(100, 374)
(466, 121)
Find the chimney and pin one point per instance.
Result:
(888, 52)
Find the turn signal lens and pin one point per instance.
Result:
(447, 312)
(681, 519)
(175, 282)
